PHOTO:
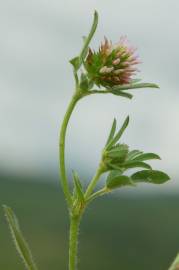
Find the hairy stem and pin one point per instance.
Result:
(73, 242)
(63, 176)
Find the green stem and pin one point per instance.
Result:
(76, 78)
(73, 242)
(93, 183)
(98, 193)
(64, 180)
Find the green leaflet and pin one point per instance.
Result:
(146, 156)
(87, 40)
(117, 154)
(119, 134)
(77, 61)
(112, 131)
(135, 164)
(119, 90)
(150, 176)
(119, 147)
(120, 93)
(78, 187)
(119, 151)
(114, 167)
(113, 174)
(116, 180)
(132, 154)
(19, 241)
(135, 86)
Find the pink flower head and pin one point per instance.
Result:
(113, 64)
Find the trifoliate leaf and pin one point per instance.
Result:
(19, 241)
(112, 132)
(135, 164)
(150, 176)
(116, 181)
(119, 133)
(146, 156)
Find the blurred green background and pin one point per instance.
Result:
(128, 231)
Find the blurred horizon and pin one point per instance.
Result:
(130, 232)
(38, 39)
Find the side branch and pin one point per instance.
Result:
(93, 183)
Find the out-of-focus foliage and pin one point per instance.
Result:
(131, 232)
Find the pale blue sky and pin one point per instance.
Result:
(37, 40)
